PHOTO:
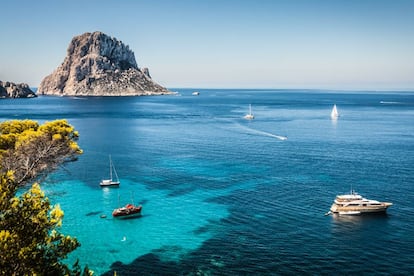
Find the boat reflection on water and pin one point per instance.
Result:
(360, 217)
(351, 229)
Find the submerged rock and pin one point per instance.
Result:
(99, 65)
(15, 90)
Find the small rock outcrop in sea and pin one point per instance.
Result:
(15, 90)
(99, 65)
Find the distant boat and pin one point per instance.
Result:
(110, 182)
(195, 93)
(128, 211)
(250, 115)
(334, 112)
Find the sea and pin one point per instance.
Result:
(222, 195)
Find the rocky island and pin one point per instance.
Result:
(15, 90)
(99, 65)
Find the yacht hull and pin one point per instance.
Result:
(109, 184)
(352, 210)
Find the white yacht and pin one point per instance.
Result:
(355, 204)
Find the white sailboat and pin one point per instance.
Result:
(111, 182)
(334, 113)
(250, 115)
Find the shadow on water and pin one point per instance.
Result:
(109, 217)
(130, 218)
(148, 264)
(142, 201)
(347, 223)
(360, 217)
(257, 242)
(93, 213)
(244, 248)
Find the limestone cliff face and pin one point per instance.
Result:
(13, 90)
(99, 65)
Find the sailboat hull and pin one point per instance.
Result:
(129, 211)
(109, 183)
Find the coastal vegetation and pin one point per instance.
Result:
(30, 241)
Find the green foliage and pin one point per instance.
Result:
(17, 126)
(30, 241)
(30, 150)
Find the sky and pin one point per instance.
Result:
(312, 44)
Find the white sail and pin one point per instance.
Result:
(250, 115)
(334, 112)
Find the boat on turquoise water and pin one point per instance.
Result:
(355, 204)
(334, 113)
(111, 182)
(250, 115)
(128, 211)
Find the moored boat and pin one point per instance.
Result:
(111, 182)
(355, 204)
(128, 211)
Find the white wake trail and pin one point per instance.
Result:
(260, 132)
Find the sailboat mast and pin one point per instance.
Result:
(110, 167)
(116, 175)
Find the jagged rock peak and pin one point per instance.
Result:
(100, 44)
(99, 65)
(15, 90)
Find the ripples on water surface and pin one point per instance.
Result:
(222, 195)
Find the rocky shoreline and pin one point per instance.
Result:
(13, 90)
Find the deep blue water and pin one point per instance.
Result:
(225, 196)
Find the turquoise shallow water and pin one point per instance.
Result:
(165, 224)
(222, 195)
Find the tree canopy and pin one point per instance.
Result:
(30, 241)
(31, 150)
